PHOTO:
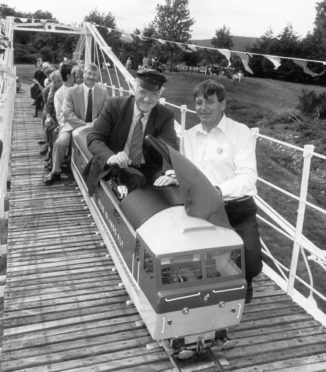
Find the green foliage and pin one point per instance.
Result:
(192, 59)
(310, 102)
(173, 21)
(6, 11)
(109, 31)
(223, 38)
(25, 56)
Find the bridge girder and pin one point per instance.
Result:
(45, 26)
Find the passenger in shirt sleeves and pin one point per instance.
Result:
(224, 150)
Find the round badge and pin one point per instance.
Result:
(219, 151)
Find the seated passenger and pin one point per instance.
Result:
(116, 139)
(224, 150)
(81, 106)
(51, 122)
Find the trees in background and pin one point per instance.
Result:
(223, 38)
(173, 22)
(109, 30)
(30, 45)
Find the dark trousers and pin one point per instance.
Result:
(242, 217)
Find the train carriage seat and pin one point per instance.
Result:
(141, 204)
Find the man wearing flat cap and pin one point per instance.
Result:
(116, 139)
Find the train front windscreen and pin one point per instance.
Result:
(212, 264)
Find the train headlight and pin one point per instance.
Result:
(185, 311)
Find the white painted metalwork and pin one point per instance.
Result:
(7, 94)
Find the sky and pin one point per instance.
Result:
(243, 18)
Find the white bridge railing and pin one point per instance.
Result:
(292, 259)
(7, 94)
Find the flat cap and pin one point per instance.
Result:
(151, 79)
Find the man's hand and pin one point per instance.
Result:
(120, 159)
(165, 181)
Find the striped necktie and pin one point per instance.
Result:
(136, 143)
(89, 114)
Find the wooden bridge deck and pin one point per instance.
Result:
(64, 309)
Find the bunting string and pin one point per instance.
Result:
(227, 53)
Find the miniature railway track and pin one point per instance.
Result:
(64, 309)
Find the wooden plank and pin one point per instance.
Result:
(67, 321)
(301, 364)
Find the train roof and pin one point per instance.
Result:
(173, 231)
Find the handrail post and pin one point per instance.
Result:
(307, 155)
(183, 109)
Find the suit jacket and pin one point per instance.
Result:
(110, 132)
(73, 107)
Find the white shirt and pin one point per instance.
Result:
(86, 90)
(226, 155)
(58, 101)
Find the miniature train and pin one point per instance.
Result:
(184, 274)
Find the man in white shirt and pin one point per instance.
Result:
(224, 150)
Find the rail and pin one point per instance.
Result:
(7, 94)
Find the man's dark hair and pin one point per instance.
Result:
(65, 70)
(208, 88)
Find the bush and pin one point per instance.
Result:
(309, 102)
(312, 103)
(322, 105)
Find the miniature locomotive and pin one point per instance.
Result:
(184, 274)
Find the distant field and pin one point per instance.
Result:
(240, 43)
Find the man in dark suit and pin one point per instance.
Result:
(113, 138)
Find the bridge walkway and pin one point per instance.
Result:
(65, 311)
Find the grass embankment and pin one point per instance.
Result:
(270, 105)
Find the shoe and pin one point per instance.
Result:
(51, 178)
(227, 343)
(41, 142)
(249, 294)
(44, 150)
(35, 115)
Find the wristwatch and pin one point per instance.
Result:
(170, 173)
